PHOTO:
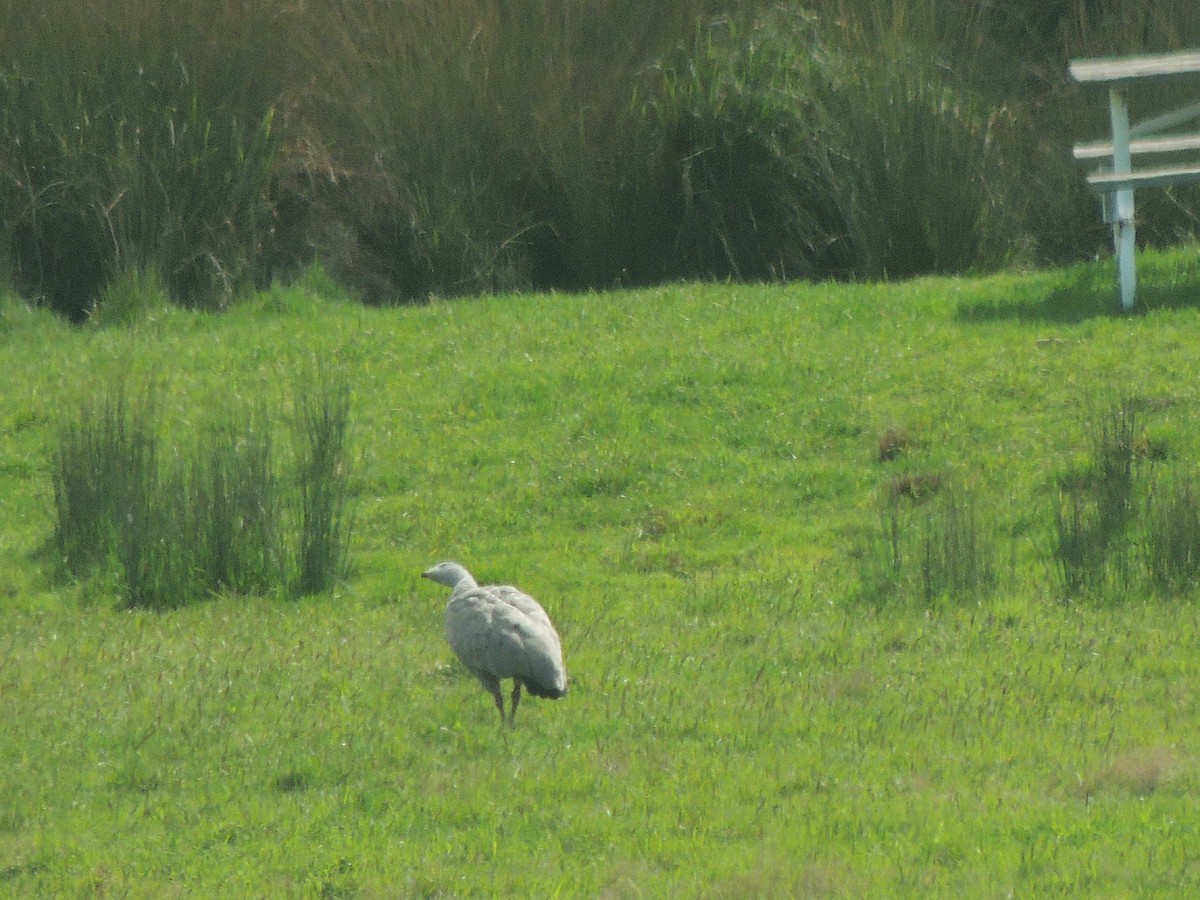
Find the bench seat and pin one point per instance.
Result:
(1114, 70)
(1107, 182)
(1175, 143)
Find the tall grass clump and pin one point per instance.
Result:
(220, 516)
(105, 466)
(322, 472)
(915, 167)
(130, 296)
(1127, 520)
(927, 549)
(234, 507)
(921, 154)
(480, 146)
(139, 135)
(1172, 537)
(156, 552)
(1092, 538)
(743, 188)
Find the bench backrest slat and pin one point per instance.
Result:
(1174, 143)
(1107, 182)
(1130, 68)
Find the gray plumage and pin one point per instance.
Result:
(499, 632)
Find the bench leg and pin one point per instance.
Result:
(1123, 243)
(1123, 231)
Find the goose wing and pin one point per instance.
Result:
(498, 638)
(527, 605)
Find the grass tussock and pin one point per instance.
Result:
(1125, 523)
(933, 544)
(1128, 519)
(180, 523)
(139, 137)
(234, 508)
(105, 465)
(323, 419)
(1093, 546)
(1172, 542)
(894, 441)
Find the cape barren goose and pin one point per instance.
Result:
(499, 632)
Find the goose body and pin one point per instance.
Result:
(500, 632)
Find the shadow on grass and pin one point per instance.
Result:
(1090, 292)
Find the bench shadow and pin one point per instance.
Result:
(1092, 294)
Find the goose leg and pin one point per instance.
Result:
(499, 698)
(516, 698)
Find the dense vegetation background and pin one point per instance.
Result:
(418, 147)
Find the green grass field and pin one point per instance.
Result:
(684, 477)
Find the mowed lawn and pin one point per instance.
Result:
(688, 478)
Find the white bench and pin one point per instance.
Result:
(1115, 179)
